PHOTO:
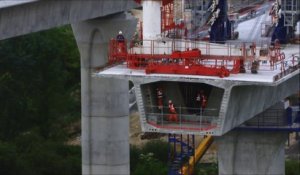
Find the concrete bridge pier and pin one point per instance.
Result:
(105, 121)
(252, 153)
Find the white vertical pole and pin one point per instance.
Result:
(151, 19)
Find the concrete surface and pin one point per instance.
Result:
(32, 16)
(151, 19)
(243, 97)
(251, 153)
(105, 122)
(8, 3)
(247, 101)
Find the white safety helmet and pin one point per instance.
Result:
(120, 32)
(170, 101)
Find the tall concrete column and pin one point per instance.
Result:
(251, 153)
(105, 122)
(151, 19)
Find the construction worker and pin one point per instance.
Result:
(173, 113)
(120, 37)
(201, 101)
(120, 42)
(159, 98)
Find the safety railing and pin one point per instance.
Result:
(163, 51)
(168, 46)
(286, 67)
(275, 118)
(189, 119)
(179, 55)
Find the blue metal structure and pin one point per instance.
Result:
(221, 27)
(181, 148)
(291, 123)
(280, 32)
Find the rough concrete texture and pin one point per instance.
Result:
(44, 14)
(105, 122)
(251, 153)
(247, 101)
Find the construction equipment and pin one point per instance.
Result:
(180, 150)
(183, 155)
(188, 168)
(156, 57)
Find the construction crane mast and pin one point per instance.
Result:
(220, 26)
(285, 14)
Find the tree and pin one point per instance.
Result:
(39, 92)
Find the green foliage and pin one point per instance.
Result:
(148, 165)
(8, 161)
(39, 75)
(292, 167)
(158, 148)
(206, 169)
(40, 97)
(36, 156)
(151, 158)
(134, 157)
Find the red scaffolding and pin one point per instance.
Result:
(187, 61)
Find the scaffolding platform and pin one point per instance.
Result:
(267, 74)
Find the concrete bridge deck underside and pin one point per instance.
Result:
(33, 16)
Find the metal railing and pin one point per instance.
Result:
(274, 118)
(185, 118)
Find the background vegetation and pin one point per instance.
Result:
(40, 99)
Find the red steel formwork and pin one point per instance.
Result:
(117, 51)
(188, 61)
(167, 17)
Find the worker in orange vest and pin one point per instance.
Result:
(173, 113)
(159, 98)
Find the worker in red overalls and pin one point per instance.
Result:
(173, 113)
(159, 98)
(201, 101)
